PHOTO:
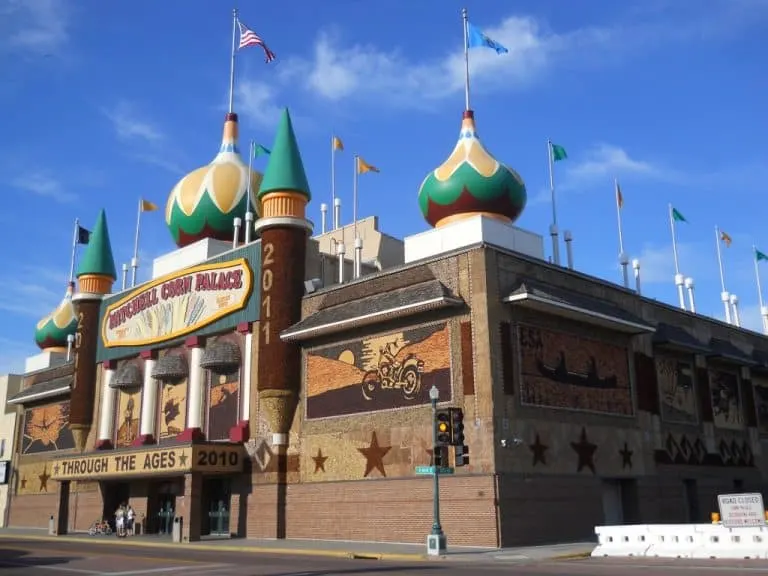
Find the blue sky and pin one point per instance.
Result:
(103, 102)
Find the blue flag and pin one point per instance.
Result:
(475, 39)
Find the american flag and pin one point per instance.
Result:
(249, 38)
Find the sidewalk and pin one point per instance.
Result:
(332, 548)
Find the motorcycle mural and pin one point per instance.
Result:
(391, 374)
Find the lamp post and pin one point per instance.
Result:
(436, 541)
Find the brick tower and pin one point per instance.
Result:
(95, 276)
(283, 228)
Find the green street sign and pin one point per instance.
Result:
(430, 470)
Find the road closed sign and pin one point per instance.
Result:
(740, 510)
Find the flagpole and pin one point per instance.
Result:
(232, 62)
(724, 296)
(678, 277)
(354, 197)
(553, 227)
(251, 153)
(333, 182)
(135, 259)
(465, 17)
(763, 313)
(74, 251)
(623, 260)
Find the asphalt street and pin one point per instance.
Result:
(41, 558)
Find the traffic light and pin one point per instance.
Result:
(457, 427)
(462, 456)
(440, 458)
(443, 424)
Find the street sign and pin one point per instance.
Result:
(430, 470)
(740, 510)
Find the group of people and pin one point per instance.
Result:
(125, 517)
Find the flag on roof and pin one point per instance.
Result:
(249, 38)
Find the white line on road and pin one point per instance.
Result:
(691, 567)
(32, 564)
(188, 568)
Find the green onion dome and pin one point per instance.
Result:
(471, 182)
(206, 201)
(52, 331)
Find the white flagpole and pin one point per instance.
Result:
(553, 228)
(333, 182)
(724, 296)
(135, 259)
(678, 277)
(232, 63)
(763, 312)
(251, 152)
(354, 197)
(622, 256)
(74, 251)
(465, 17)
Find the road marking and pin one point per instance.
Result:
(166, 569)
(690, 567)
(31, 564)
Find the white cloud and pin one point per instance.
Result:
(35, 26)
(361, 71)
(606, 160)
(40, 184)
(130, 125)
(657, 263)
(256, 101)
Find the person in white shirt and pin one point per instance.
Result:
(131, 517)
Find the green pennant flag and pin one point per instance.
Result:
(558, 152)
(677, 217)
(760, 255)
(259, 150)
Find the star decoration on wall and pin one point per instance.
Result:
(539, 451)
(319, 461)
(374, 456)
(626, 456)
(586, 452)
(183, 459)
(56, 470)
(23, 482)
(44, 479)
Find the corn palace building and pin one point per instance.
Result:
(268, 383)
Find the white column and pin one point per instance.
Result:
(246, 372)
(195, 395)
(149, 400)
(107, 416)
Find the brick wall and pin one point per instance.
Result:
(32, 510)
(379, 510)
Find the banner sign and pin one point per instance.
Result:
(205, 458)
(177, 304)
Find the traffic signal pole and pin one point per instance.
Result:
(436, 541)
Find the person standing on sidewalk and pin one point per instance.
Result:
(120, 521)
(130, 515)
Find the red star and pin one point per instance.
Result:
(374, 456)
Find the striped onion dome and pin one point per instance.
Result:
(470, 182)
(52, 331)
(205, 202)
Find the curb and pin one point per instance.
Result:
(228, 548)
(572, 556)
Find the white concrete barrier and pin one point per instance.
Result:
(621, 540)
(674, 540)
(682, 541)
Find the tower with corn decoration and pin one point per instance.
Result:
(284, 229)
(95, 275)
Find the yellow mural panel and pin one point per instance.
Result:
(128, 414)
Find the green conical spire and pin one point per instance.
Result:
(97, 258)
(285, 171)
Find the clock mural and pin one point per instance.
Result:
(46, 428)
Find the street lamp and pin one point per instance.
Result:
(436, 540)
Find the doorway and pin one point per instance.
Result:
(161, 507)
(113, 494)
(692, 500)
(620, 501)
(217, 499)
